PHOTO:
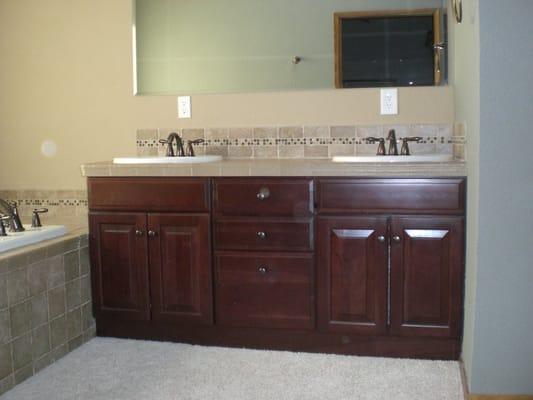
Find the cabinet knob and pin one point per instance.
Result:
(152, 234)
(262, 270)
(138, 232)
(381, 238)
(261, 235)
(264, 193)
(396, 239)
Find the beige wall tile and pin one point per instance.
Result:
(216, 133)
(370, 131)
(342, 131)
(265, 133)
(240, 133)
(422, 148)
(444, 148)
(147, 134)
(316, 131)
(217, 150)
(240, 151)
(291, 151)
(191, 134)
(423, 130)
(288, 132)
(265, 152)
(319, 151)
(341, 150)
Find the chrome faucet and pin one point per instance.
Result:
(9, 208)
(173, 136)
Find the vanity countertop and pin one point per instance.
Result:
(278, 167)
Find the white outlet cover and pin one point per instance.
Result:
(389, 101)
(184, 107)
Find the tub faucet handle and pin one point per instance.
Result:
(35, 219)
(381, 146)
(405, 144)
(2, 226)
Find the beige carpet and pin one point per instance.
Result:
(140, 370)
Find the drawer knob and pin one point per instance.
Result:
(138, 232)
(264, 193)
(261, 235)
(152, 234)
(381, 238)
(396, 239)
(262, 270)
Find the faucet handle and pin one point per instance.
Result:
(190, 144)
(35, 219)
(405, 144)
(381, 145)
(170, 149)
(2, 226)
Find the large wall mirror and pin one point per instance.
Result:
(235, 46)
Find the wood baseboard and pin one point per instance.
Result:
(498, 397)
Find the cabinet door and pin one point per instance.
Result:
(426, 276)
(119, 265)
(352, 274)
(180, 268)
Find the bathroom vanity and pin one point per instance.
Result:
(324, 263)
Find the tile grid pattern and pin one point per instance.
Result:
(301, 141)
(45, 308)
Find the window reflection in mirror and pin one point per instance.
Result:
(233, 46)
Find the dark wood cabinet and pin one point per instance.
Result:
(119, 259)
(426, 276)
(352, 274)
(265, 290)
(180, 268)
(362, 266)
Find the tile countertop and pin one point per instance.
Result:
(278, 167)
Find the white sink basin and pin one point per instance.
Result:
(30, 236)
(394, 159)
(167, 160)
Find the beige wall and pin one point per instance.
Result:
(66, 75)
(465, 77)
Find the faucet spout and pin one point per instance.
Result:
(11, 210)
(393, 145)
(179, 145)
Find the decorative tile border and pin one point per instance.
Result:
(301, 141)
(64, 203)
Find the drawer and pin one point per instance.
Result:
(272, 290)
(263, 197)
(264, 234)
(409, 196)
(149, 194)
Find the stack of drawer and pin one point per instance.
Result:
(263, 239)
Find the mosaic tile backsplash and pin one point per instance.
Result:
(63, 203)
(304, 141)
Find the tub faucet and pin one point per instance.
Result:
(10, 209)
(179, 145)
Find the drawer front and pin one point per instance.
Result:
(263, 197)
(410, 196)
(264, 234)
(272, 290)
(149, 194)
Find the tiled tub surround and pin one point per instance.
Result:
(45, 305)
(288, 142)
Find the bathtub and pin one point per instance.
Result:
(30, 236)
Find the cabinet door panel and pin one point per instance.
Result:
(352, 274)
(426, 276)
(180, 268)
(119, 265)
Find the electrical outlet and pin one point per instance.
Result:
(389, 101)
(184, 107)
